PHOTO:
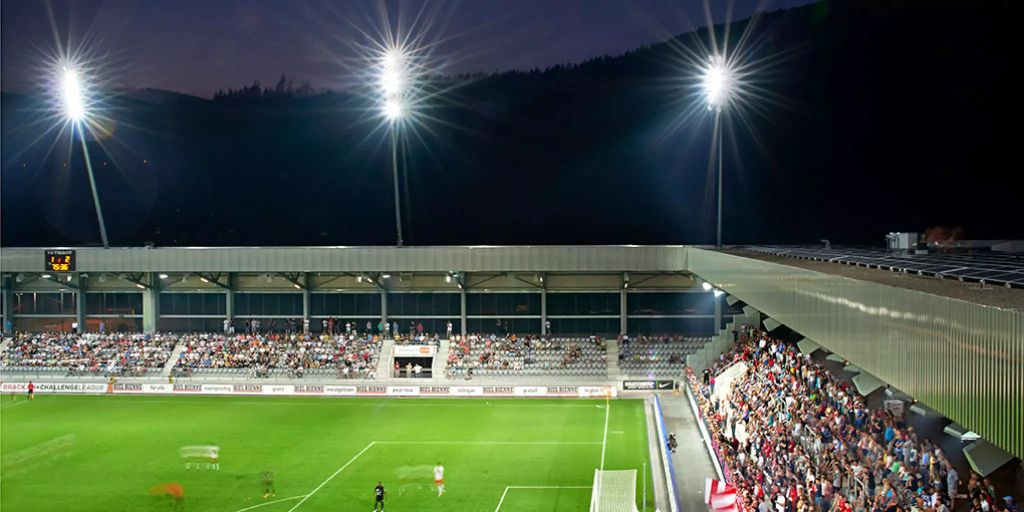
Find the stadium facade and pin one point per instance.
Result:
(964, 360)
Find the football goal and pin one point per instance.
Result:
(614, 491)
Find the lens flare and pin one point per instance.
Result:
(718, 83)
(71, 95)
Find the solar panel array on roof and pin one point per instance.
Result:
(990, 268)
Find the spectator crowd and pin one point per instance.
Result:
(510, 352)
(793, 438)
(90, 354)
(644, 350)
(351, 356)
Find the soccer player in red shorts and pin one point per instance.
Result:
(439, 479)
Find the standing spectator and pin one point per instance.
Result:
(397, 328)
(449, 330)
(256, 325)
(348, 327)
(369, 328)
(305, 325)
(419, 328)
(330, 326)
(547, 327)
(227, 325)
(103, 326)
(952, 484)
(323, 326)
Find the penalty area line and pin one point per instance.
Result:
(494, 442)
(272, 502)
(342, 468)
(604, 443)
(507, 488)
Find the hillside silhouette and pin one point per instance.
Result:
(884, 116)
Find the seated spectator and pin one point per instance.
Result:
(120, 354)
(790, 433)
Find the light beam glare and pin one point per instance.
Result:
(71, 94)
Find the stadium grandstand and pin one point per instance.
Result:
(241, 271)
(769, 376)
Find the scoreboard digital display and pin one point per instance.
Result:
(60, 260)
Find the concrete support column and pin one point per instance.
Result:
(8, 291)
(623, 316)
(718, 313)
(384, 306)
(151, 304)
(462, 311)
(229, 299)
(307, 298)
(543, 310)
(80, 303)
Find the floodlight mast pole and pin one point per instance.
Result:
(92, 185)
(718, 127)
(394, 174)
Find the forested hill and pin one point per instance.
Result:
(877, 116)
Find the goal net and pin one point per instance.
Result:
(614, 491)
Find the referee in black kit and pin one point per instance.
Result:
(378, 496)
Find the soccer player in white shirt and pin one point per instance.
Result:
(439, 479)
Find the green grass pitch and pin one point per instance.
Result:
(103, 453)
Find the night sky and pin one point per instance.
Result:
(200, 46)
(859, 118)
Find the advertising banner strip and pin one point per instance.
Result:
(530, 391)
(415, 350)
(466, 390)
(312, 390)
(648, 385)
(403, 390)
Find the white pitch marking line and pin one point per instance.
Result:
(493, 442)
(350, 461)
(549, 487)
(272, 502)
(15, 404)
(502, 500)
(604, 443)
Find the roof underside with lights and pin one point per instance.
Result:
(912, 332)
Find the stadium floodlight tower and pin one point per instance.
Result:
(394, 88)
(719, 84)
(73, 93)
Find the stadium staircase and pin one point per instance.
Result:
(439, 368)
(612, 350)
(171, 361)
(386, 361)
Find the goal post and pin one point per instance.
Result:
(614, 491)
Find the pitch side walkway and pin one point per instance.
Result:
(692, 462)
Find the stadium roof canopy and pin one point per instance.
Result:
(963, 358)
